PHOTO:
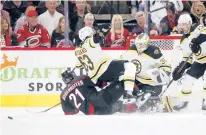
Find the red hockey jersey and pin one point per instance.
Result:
(36, 38)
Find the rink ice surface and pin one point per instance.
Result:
(191, 121)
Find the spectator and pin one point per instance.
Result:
(22, 20)
(58, 39)
(15, 8)
(157, 16)
(51, 17)
(118, 34)
(42, 7)
(89, 20)
(197, 10)
(33, 34)
(170, 21)
(140, 18)
(77, 18)
(5, 33)
(4, 14)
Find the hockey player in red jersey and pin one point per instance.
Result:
(33, 34)
(81, 94)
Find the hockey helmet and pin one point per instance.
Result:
(185, 18)
(85, 32)
(142, 42)
(185, 22)
(68, 76)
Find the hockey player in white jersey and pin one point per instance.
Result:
(193, 40)
(152, 69)
(100, 66)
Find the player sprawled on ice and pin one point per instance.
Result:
(81, 94)
(152, 69)
(99, 66)
(193, 40)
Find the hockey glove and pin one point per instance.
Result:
(195, 47)
(179, 70)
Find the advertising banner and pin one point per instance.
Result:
(33, 77)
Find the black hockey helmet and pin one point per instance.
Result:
(68, 76)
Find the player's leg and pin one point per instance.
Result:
(204, 92)
(107, 100)
(121, 68)
(194, 73)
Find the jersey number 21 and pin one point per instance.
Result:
(75, 96)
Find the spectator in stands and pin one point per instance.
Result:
(118, 34)
(22, 20)
(77, 18)
(15, 8)
(197, 10)
(6, 34)
(51, 17)
(157, 16)
(140, 18)
(58, 39)
(4, 14)
(33, 34)
(170, 20)
(42, 7)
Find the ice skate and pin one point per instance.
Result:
(181, 105)
(204, 104)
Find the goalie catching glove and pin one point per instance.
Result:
(159, 76)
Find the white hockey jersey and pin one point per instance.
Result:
(149, 59)
(199, 32)
(92, 58)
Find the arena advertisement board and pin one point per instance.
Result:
(33, 78)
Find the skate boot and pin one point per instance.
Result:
(181, 105)
(142, 100)
(204, 104)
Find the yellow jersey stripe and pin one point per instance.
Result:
(99, 69)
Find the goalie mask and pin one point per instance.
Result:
(184, 23)
(85, 32)
(142, 42)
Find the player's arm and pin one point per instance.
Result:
(45, 38)
(21, 36)
(78, 64)
(67, 108)
(180, 69)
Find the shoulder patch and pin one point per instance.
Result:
(153, 52)
(156, 51)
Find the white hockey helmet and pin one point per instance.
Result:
(185, 18)
(85, 32)
(142, 42)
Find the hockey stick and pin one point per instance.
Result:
(45, 109)
(53, 105)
